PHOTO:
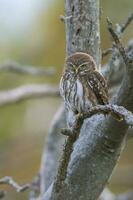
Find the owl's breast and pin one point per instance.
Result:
(75, 94)
(77, 98)
(82, 95)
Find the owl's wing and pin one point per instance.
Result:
(99, 86)
(102, 80)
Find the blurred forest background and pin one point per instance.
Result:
(31, 33)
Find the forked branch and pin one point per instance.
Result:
(118, 43)
(119, 30)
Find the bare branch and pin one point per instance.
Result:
(26, 92)
(119, 30)
(20, 69)
(52, 149)
(64, 18)
(126, 24)
(117, 111)
(114, 70)
(117, 42)
(106, 52)
(9, 180)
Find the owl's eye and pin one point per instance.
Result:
(84, 67)
(71, 69)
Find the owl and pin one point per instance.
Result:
(82, 85)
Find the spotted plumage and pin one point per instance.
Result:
(81, 85)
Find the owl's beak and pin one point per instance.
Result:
(76, 70)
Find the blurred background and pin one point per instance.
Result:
(31, 33)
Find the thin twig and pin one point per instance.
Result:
(27, 92)
(126, 24)
(106, 52)
(20, 69)
(64, 18)
(117, 42)
(9, 180)
(119, 30)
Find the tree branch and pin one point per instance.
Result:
(124, 26)
(26, 92)
(9, 180)
(52, 150)
(64, 18)
(106, 52)
(118, 43)
(114, 70)
(96, 151)
(119, 30)
(20, 69)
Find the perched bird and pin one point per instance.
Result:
(82, 85)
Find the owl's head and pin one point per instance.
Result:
(80, 63)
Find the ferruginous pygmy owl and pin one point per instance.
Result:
(81, 85)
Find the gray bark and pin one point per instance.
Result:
(82, 27)
(52, 150)
(101, 141)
